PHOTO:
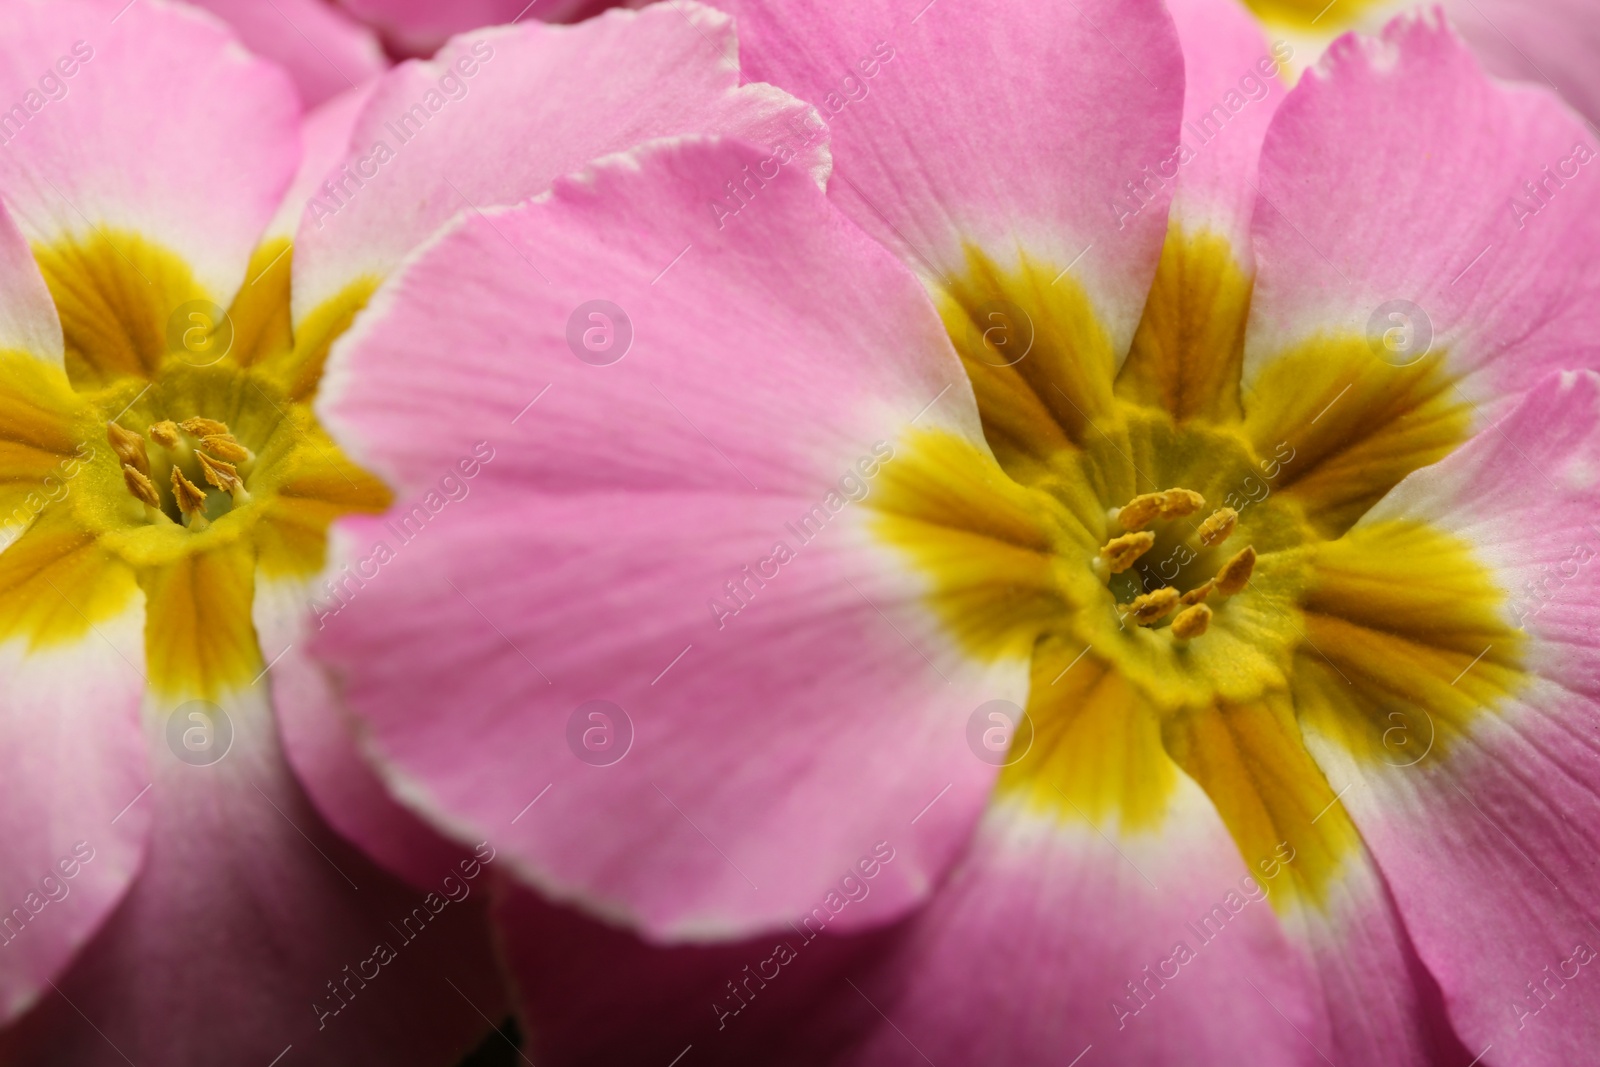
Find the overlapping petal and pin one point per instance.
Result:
(1481, 810)
(661, 482)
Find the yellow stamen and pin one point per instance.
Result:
(1177, 503)
(1140, 512)
(1153, 607)
(201, 427)
(226, 447)
(224, 476)
(1235, 574)
(1191, 622)
(1145, 508)
(1199, 592)
(1121, 552)
(140, 485)
(129, 447)
(1218, 525)
(191, 500)
(165, 434)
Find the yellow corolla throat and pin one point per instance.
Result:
(1329, 17)
(1173, 554)
(177, 455)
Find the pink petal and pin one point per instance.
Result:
(597, 491)
(1010, 127)
(418, 27)
(73, 823)
(245, 909)
(324, 140)
(324, 50)
(1491, 848)
(1233, 84)
(165, 127)
(524, 105)
(28, 319)
(1354, 211)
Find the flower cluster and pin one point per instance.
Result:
(950, 532)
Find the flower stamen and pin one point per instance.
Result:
(1191, 622)
(1218, 526)
(129, 448)
(191, 501)
(1120, 553)
(1145, 508)
(1153, 607)
(1235, 574)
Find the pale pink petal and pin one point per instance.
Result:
(1234, 81)
(28, 319)
(73, 823)
(165, 128)
(324, 50)
(1490, 848)
(629, 495)
(324, 140)
(1393, 173)
(497, 115)
(1010, 127)
(245, 911)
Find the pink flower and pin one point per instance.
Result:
(179, 249)
(1247, 440)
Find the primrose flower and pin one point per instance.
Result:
(1159, 582)
(179, 251)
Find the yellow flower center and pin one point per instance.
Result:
(1173, 547)
(175, 456)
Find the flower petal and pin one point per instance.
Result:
(164, 129)
(260, 923)
(74, 765)
(501, 125)
(1482, 809)
(320, 743)
(1552, 42)
(658, 458)
(1233, 84)
(1010, 129)
(28, 320)
(419, 27)
(323, 49)
(1357, 291)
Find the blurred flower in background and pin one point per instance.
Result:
(328, 46)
